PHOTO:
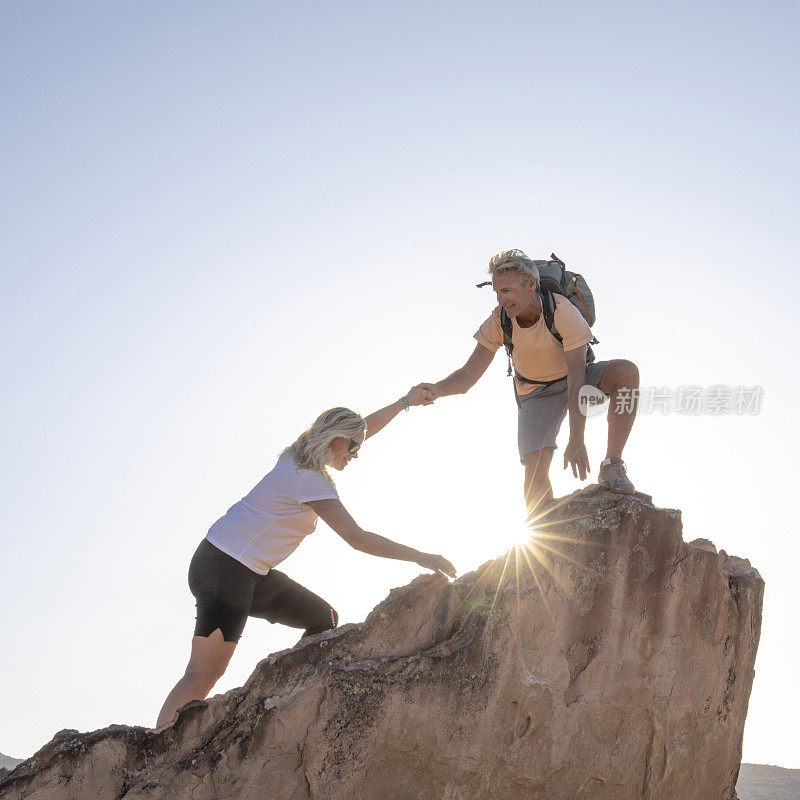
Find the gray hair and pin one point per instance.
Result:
(312, 449)
(513, 261)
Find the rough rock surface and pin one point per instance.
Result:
(764, 782)
(613, 660)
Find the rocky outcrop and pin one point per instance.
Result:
(6, 762)
(608, 660)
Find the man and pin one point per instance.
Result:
(555, 372)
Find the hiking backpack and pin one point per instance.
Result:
(554, 278)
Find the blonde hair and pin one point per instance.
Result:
(513, 261)
(312, 449)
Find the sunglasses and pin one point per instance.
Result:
(353, 447)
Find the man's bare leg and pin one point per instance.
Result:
(620, 382)
(537, 480)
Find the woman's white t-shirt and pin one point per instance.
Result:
(267, 525)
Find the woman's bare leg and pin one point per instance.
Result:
(207, 664)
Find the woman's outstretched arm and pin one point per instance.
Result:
(338, 518)
(380, 419)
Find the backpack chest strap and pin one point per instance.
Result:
(549, 312)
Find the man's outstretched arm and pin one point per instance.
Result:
(463, 379)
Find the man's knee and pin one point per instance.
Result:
(630, 372)
(620, 373)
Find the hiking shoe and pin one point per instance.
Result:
(613, 476)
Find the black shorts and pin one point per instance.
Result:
(228, 592)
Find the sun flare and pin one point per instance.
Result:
(523, 536)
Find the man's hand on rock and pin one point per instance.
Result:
(576, 455)
(437, 563)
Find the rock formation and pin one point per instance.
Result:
(6, 762)
(608, 660)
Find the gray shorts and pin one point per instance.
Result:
(544, 409)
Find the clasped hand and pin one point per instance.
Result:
(421, 395)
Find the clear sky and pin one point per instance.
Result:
(220, 219)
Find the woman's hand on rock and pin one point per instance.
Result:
(438, 564)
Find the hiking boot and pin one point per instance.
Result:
(613, 476)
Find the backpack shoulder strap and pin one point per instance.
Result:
(505, 325)
(549, 311)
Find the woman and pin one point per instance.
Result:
(232, 573)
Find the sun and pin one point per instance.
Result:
(536, 528)
(523, 536)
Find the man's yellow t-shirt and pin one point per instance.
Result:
(537, 353)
